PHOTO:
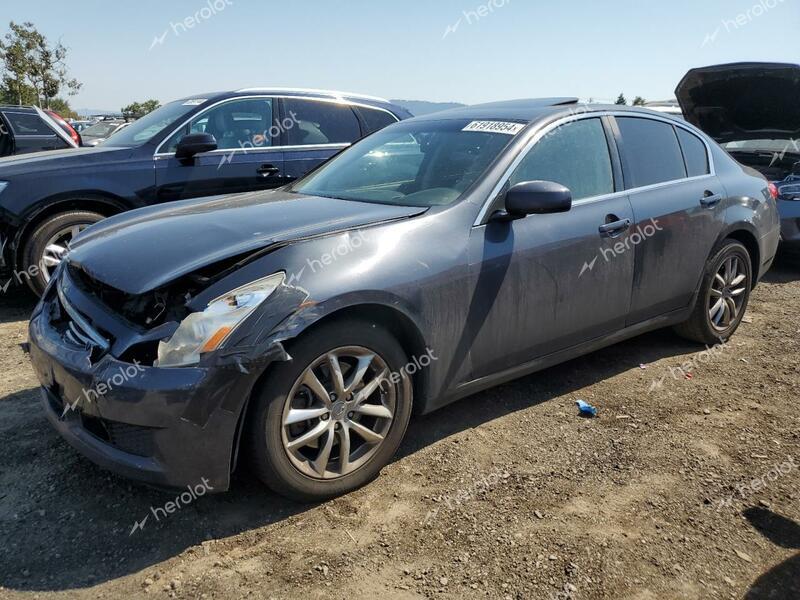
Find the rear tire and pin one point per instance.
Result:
(286, 410)
(38, 262)
(723, 298)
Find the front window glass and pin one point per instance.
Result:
(575, 155)
(412, 164)
(243, 123)
(145, 129)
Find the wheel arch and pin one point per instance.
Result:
(101, 202)
(396, 321)
(745, 234)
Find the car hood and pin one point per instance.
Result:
(25, 164)
(143, 250)
(743, 101)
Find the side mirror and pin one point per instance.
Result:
(195, 143)
(537, 198)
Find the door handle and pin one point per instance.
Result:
(710, 200)
(267, 170)
(615, 227)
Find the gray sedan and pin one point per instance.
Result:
(300, 328)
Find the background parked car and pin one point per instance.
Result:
(252, 139)
(81, 125)
(101, 131)
(25, 129)
(753, 110)
(667, 107)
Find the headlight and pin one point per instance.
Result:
(3, 185)
(206, 331)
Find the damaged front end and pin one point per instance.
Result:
(111, 384)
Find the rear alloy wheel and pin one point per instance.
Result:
(48, 245)
(724, 296)
(329, 420)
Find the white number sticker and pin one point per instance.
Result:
(495, 127)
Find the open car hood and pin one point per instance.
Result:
(743, 101)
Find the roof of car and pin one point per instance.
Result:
(298, 92)
(17, 108)
(530, 110)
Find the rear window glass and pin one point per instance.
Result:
(694, 151)
(28, 124)
(321, 123)
(652, 151)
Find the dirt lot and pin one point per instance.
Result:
(508, 494)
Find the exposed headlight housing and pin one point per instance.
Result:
(204, 332)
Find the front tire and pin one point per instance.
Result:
(49, 243)
(329, 420)
(724, 296)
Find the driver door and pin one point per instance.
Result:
(547, 282)
(247, 156)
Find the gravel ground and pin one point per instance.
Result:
(685, 486)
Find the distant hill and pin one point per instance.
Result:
(422, 107)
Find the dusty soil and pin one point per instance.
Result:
(508, 494)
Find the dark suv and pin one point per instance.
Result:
(205, 145)
(26, 129)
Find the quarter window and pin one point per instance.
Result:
(236, 124)
(320, 123)
(575, 155)
(694, 153)
(652, 151)
(375, 120)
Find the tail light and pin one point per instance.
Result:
(773, 191)
(65, 126)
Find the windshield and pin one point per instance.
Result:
(781, 146)
(101, 130)
(424, 163)
(145, 129)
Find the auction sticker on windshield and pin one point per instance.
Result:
(495, 127)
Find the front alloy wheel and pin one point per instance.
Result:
(327, 421)
(338, 413)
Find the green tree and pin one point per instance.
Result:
(622, 101)
(137, 110)
(639, 101)
(34, 71)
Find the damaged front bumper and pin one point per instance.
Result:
(165, 427)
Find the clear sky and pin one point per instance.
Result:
(507, 49)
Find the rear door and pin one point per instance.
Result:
(678, 206)
(548, 282)
(247, 156)
(312, 131)
(6, 139)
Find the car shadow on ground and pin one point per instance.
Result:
(16, 304)
(783, 581)
(70, 525)
(785, 269)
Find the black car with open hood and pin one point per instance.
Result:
(753, 110)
